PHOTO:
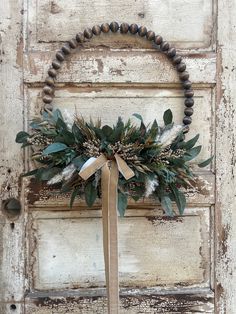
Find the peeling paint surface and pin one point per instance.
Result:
(51, 257)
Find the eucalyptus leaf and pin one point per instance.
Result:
(21, 137)
(79, 161)
(192, 153)
(168, 117)
(179, 198)
(54, 148)
(73, 195)
(167, 205)
(30, 173)
(138, 116)
(122, 203)
(189, 144)
(90, 194)
(206, 162)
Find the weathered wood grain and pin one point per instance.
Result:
(119, 67)
(59, 21)
(198, 302)
(11, 161)
(73, 257)
(225, 160)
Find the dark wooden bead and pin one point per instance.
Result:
(189, 102)
(150, 35)
(124, 28)
(177, 59)
(96, 30)
(187, 84)
(56, 64)
(165, 46)
(105, 27)
(48, 90)
(47, 99)
(158, 40)
(142, 31)
(48, 107)
(80, 37)
(184, 75)
(171, 52)
(133, 28)
(52, 72)
(181, 67)
(114, 26)
(188, 93)
(60, 56)
(50, 81)
(66, 49)
(188, 111)
(186, 129)
(187, 120)
(88, 33)
(73, 43)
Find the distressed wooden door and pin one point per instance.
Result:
(51, 258)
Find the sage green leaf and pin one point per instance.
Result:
(77, 133)
(138, 116)
(192, 153)
(54, 148)
(30, 173)
(73, 195)
(189, 144)
(45, 174)
(167, 205)
(21, 137)
(168, 117)
(107, 131)
(79, 161)
(56, 114)
(60, 125)
(122, 203)
(206, 162)
(90, 194)
(154, 130)
(179, 198)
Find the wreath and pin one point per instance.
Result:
(113, 163)
(157, 155)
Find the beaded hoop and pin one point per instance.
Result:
(124, 28)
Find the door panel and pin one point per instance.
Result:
(165, 264)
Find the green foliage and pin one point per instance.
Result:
(90, 193)
(56, 146)
(168, 117)
(122, 203)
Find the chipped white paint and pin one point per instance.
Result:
(58, 262)
(94, 80)
(225, 160)
(11, 161)
(192, 20)
(119, 67)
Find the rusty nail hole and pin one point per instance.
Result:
(9, 170)
(11, 208)
(13, 307)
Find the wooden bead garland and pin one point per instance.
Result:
(48, 89)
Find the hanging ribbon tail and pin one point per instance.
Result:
(109, 183)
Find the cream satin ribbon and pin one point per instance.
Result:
(110, 175)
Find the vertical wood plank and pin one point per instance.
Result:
(225, 160)
(11, 161)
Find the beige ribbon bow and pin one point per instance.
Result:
(110, 175)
